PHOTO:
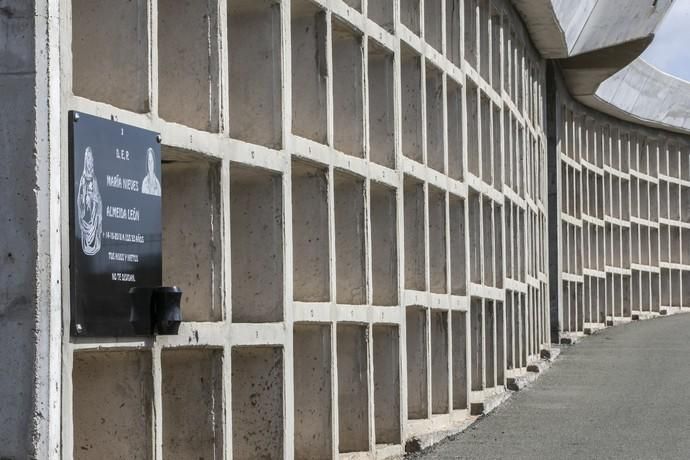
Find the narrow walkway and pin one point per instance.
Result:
(623, 393)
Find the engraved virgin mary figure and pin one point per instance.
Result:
(89, 207)
(150, 185)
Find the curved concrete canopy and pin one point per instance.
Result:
(597, 44)
(644, 94)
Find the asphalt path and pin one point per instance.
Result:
(623, 393)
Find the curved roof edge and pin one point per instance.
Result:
(597, 44)
(644, 94)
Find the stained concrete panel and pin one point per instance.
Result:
(188, 93)
(110, 58)
(257, 402)
(256, 240)
(386, 353)
(309, 70)
(417, 385)
(310, 233)
(192, 250)
(313, 406)
(255, 89)
(353, 388)
(349, 240)
(112, 405)
(193, 415)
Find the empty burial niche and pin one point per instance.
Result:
(384, 245)
(381, 12)
(496, 26)
(477, 344)
(381, 105)
(498, 246)
(417, 389)
(256, 245)
(353, 395)
(500, 344)
(433, 31)
(348, 94)
(437, 241)
(109, 61)
(411, 83)
(496, 148)
(254, 41)
(385, 350)
(473, 129)
(489, 345)
(486, 139)
(484, 43)
(665, 287)
(349, 239)
(409, 15)
(453, 32)
(415, 252)
(439, 362)
(309, 70)
(192, 249)
(434, 118)
(455, 133)
(458, 272)
(310, 233)
(187, 32)
(192, 384)
(471, 45)
(675, 288)
(475, 230)
(459, 359)
(118, 425)
(312, 361)
(257, 402)
(488, 242)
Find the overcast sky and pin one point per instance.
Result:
(670, 50)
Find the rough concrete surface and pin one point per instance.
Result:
(622, 393)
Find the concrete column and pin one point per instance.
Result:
(29, 291)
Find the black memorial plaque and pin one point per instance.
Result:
(115, 222)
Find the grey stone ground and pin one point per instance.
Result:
(623, 394)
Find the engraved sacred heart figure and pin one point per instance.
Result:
(89, 207)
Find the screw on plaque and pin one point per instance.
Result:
(159, 139)
(76, 116)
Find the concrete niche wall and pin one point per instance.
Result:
(257, 402)
(112, 404)
(343, 184)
